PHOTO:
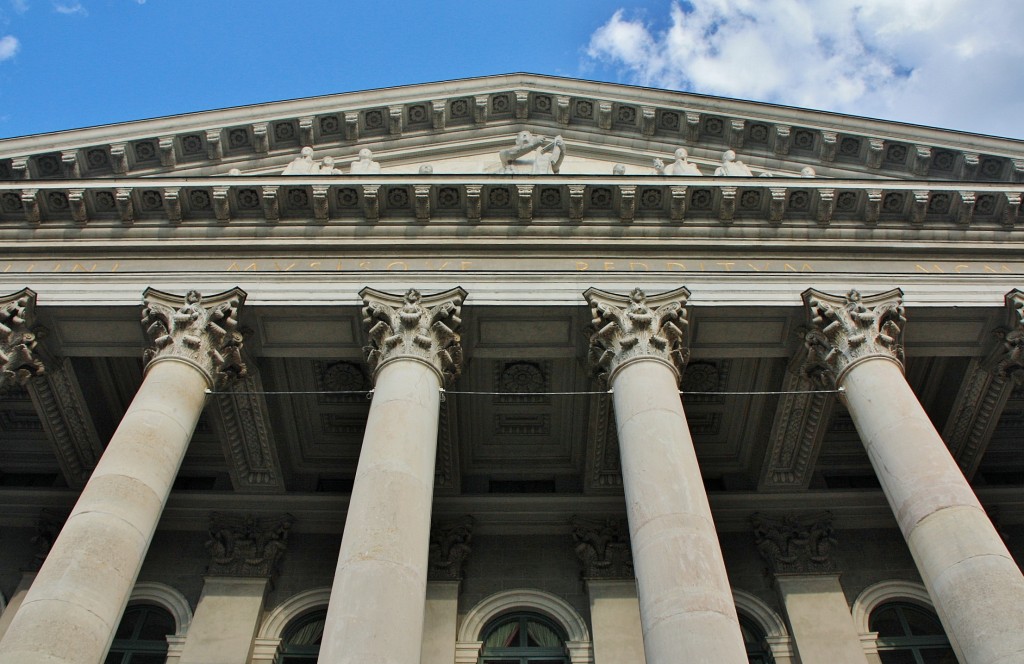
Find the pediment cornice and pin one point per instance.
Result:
(268, 135)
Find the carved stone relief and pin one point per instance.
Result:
(247, 546)
(603, 548)
(18, 362)
(801, 544)
(449, 547)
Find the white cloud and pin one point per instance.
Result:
(19, 6)
(948, 63)
(75, 8)
(9, 46)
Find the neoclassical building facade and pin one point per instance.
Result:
(511, 369)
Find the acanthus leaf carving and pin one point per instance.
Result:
(18, 360)
(801, 544)
(626, 328)
(202, 333)
(449, 548)
(845, 329)
(411, 325)
(247, 546)
(603, 548)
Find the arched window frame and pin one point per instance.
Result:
(175, 603)
(780, 643)
(267, 645)
(884, 592)
(556, 609)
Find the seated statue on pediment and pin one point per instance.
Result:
(327, 167)
(365, 165)
(301, 165)
(730, 166)
(681, 166)
(547, 158)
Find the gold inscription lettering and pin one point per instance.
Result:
(937, 268)
(727, 265)
(609, 265)
(920, 269)
(31, 267)
(806, 267)
(251, 267)
(81, 268)
(8, 268)
(233, 267)
(632, 266)
(397, 265)
(672, 267)
(466, 265)
(314, 265)
(56, 268)
(114, 269)
(364, 265)
(581, 266)
(1002, 268)
(283, 269)
(960, 267)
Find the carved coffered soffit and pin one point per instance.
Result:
(801, 420)
(242, 422)
(67, 421)
(986, 388)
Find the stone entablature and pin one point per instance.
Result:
(622, 199)
(227, 137)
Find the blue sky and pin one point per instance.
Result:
(74, 63)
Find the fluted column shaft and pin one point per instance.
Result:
(377, 598)
(977, 588)
(73, 608)
(686, 606)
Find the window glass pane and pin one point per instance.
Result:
(922, 623)
(541, 635)
(114, 657)
(308, 634)
(938, 656)
(156, 625)
(147, 659)
(886, 621)
(503, 636)
(127, 626)
(897, 657)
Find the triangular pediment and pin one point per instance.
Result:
(460, 127)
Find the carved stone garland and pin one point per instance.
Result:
(796, 544)
(629, 328)
(18, 362)
(449, 548)
(247, 546)
(603, 548)
(414, 326)
(202, 333)
(848, 328)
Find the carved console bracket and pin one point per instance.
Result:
(796, 544)
(414, 326)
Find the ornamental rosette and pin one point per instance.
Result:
(201, 331)
(414, 326)
(845, 329)
(18, 361)
(626, 328)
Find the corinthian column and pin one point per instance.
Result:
(686, 606)
(377, 599)
(977, 588)
(73, 608)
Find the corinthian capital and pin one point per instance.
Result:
(634, 326)
(18, 362)
(423, 328)
(201, 332)
(1010, 358)
(846, 329)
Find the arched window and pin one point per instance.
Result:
(141, 638)
(523, 638)
(910, 634)
(755, 642)
(300, 643)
